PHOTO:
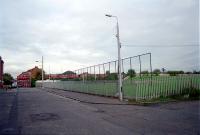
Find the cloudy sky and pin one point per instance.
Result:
(71, 34)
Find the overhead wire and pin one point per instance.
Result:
(160, 46)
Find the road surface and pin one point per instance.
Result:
(37, 112)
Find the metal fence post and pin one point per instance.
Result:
(140, 65)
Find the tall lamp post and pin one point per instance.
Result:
(119, 59)
(42, 72)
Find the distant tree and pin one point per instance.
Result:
(156, 72)
(196, 72)
(91, 78)
(181, 72)
(37, 76)
(174, 73)
(68, 73)
(163, 70)
(145, 73)
(111, 76)
(131, 73)
(107, 72)
(188, 72)
(7, 79)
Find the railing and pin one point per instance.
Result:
(108, 70)
(106, 88)
(137, 88)
(148, 88)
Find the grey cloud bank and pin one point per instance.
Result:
(73, 33)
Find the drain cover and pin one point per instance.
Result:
(44, 117)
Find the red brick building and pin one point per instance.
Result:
(34, 72)
(61, 76)
(24, 79)
(1, 72)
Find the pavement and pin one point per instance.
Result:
(31, 111)
(86, 98)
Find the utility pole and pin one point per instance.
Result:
(119, 60)
(119, 63)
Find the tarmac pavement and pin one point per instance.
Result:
(32, 111)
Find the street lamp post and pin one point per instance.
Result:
(119, 59)
(42, 72)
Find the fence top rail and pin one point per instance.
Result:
(114, 61)
(136, 56)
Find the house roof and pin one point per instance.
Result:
(35, 68)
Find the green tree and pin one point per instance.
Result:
(107, 72)
(163, 70)
(196, 72)
(68, 73)
(7, 79)
(156, 72)
(33, 82)
(38, 76)
(145, 73)
(91, 78)
(131, 73)
(174, 73)
(188, 72)
(112, 76)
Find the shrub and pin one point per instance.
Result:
(174, 73)
(111, 76)
(131, 73)
(145, 73)
(156, 72)
(33, 82)
(192, 92)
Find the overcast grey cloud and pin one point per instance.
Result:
(73, 33)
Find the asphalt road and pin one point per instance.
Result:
(35, 111)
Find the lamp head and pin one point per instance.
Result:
(108, 15)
